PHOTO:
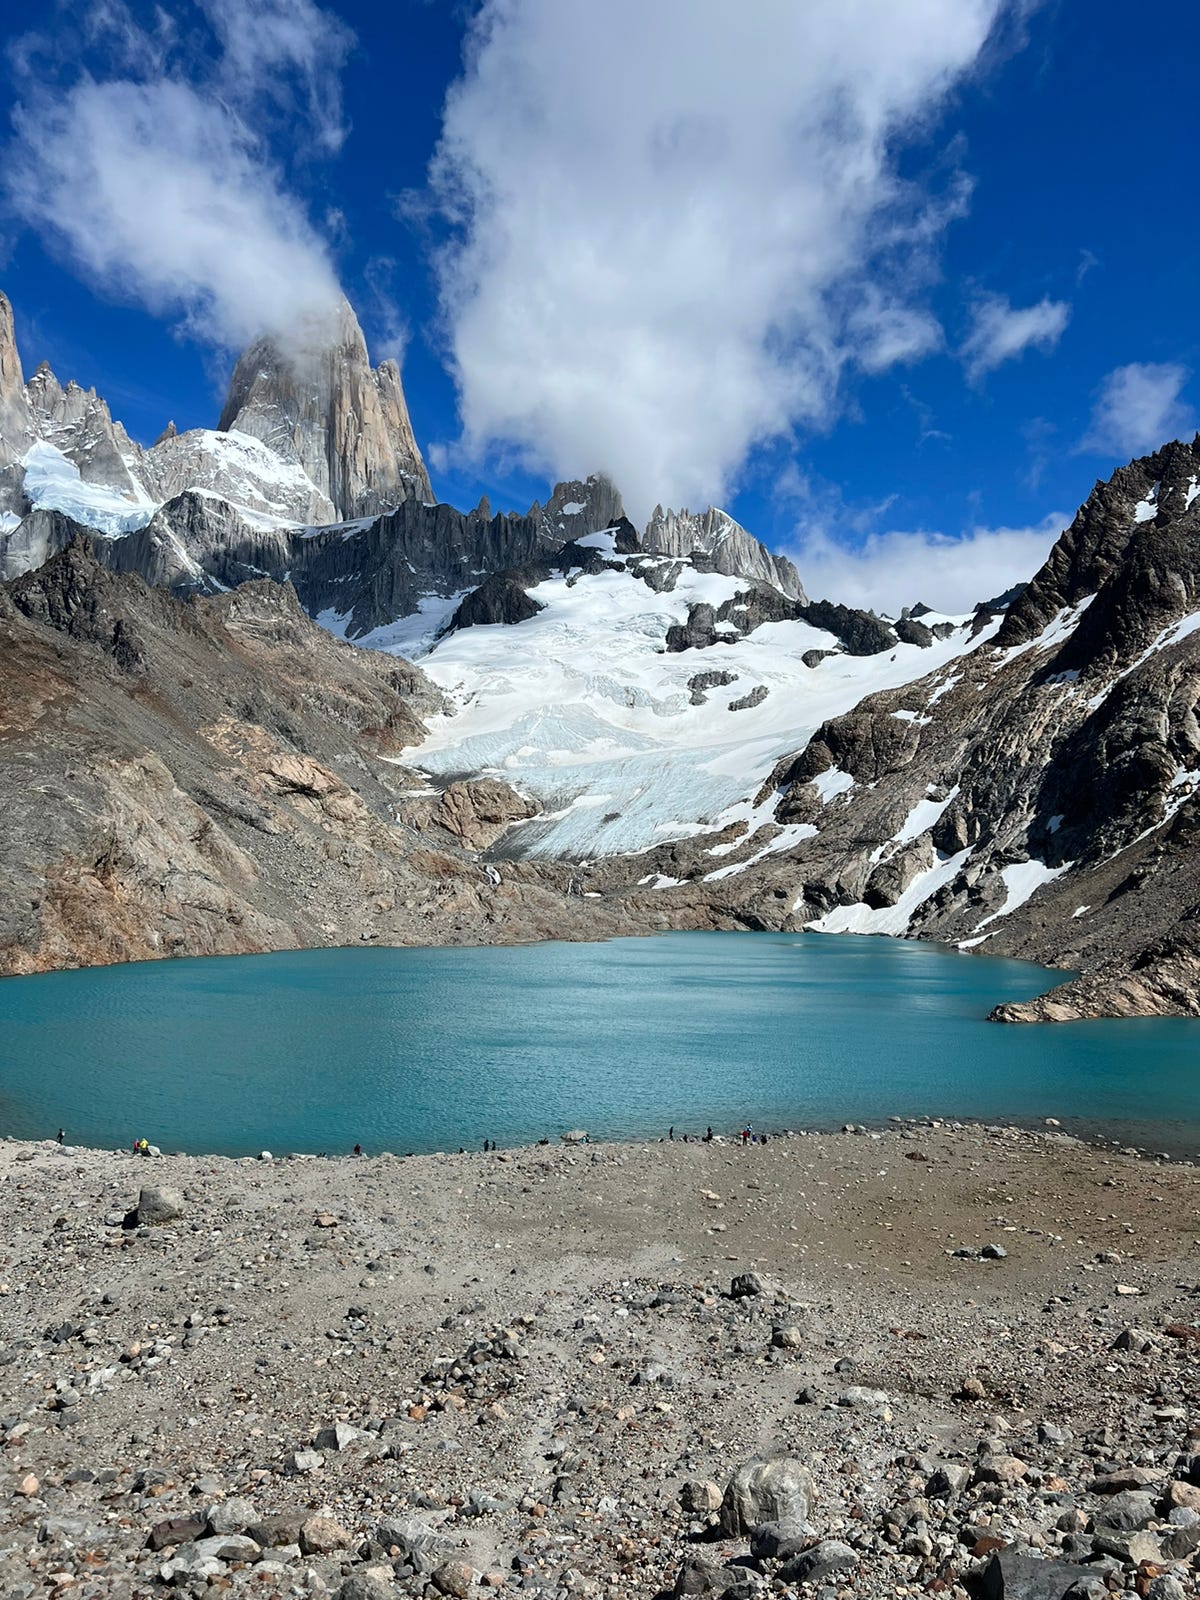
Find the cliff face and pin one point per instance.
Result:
(318, 403)
(1040, 798)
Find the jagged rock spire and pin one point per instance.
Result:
(315, 400)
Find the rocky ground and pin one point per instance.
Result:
(934, 1359)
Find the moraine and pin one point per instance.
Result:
(426, 1049)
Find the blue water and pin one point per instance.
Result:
(413, 1050)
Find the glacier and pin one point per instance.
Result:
(582, 708)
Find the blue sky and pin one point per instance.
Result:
(895, 282)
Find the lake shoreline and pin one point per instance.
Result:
(437, 1048)
(171, 1369)
(1054, 1130)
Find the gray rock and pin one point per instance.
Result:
(366, 1586)
(338, 1436)
(747, 1284)
(778, 1541)
(1009, 1575)
(234, 1515)
(779, 1489)
(227, 1547)
(948, 1480)
(1128, 1511)
(862, 1398)
(696, 1577)
(157, 1204)
(822, 1561)
(699, 1497)
(453, 1578)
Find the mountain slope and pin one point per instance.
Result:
(1036, 798)
(220, 776)
(631, 723)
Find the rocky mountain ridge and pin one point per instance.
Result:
(314, 448)
(321, 405)
(1037, 798)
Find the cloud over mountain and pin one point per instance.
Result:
(673, 236)
(1138, 407)
(894, 568)
(151, 174)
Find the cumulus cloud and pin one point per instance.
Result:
(673, 235)
(888, 570)
(1139, 409)
(156, 182)
(1001, 331)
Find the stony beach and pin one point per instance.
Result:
(933, 1359)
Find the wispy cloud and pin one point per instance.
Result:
(1138, 409)
(144, 160)
(1000, 332)
(673, 238)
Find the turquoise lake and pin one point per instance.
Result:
(433, 1049)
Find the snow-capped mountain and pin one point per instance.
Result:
(314, 476)
(625, 735)
(318, 404)
(660, 720)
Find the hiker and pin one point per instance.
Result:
(708, 1135)
(358, 1149)
(671, 1135)
(62, 1137)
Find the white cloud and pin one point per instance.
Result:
(281, 49)
(1139, 409)
(160, 189)
(1001, 332)
(674, 234)
(886, 571)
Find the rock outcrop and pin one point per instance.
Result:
(725, 543)
(317, 403)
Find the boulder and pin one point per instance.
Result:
(175, 1531)
(454, 1578)
(1010, 1575)
(778, 1489)
(320, 1536)
(699, 1497)
(366, 1586)
(819, 1563)
(234, 1515)
(157, 1204)
(747, 1284)
(1128, 1511)
(777, 1541)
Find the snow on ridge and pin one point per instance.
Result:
(922, 817)
(892, 920)
(53, 483)
(1060, 627)
(583, 699)
(1021, 881)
